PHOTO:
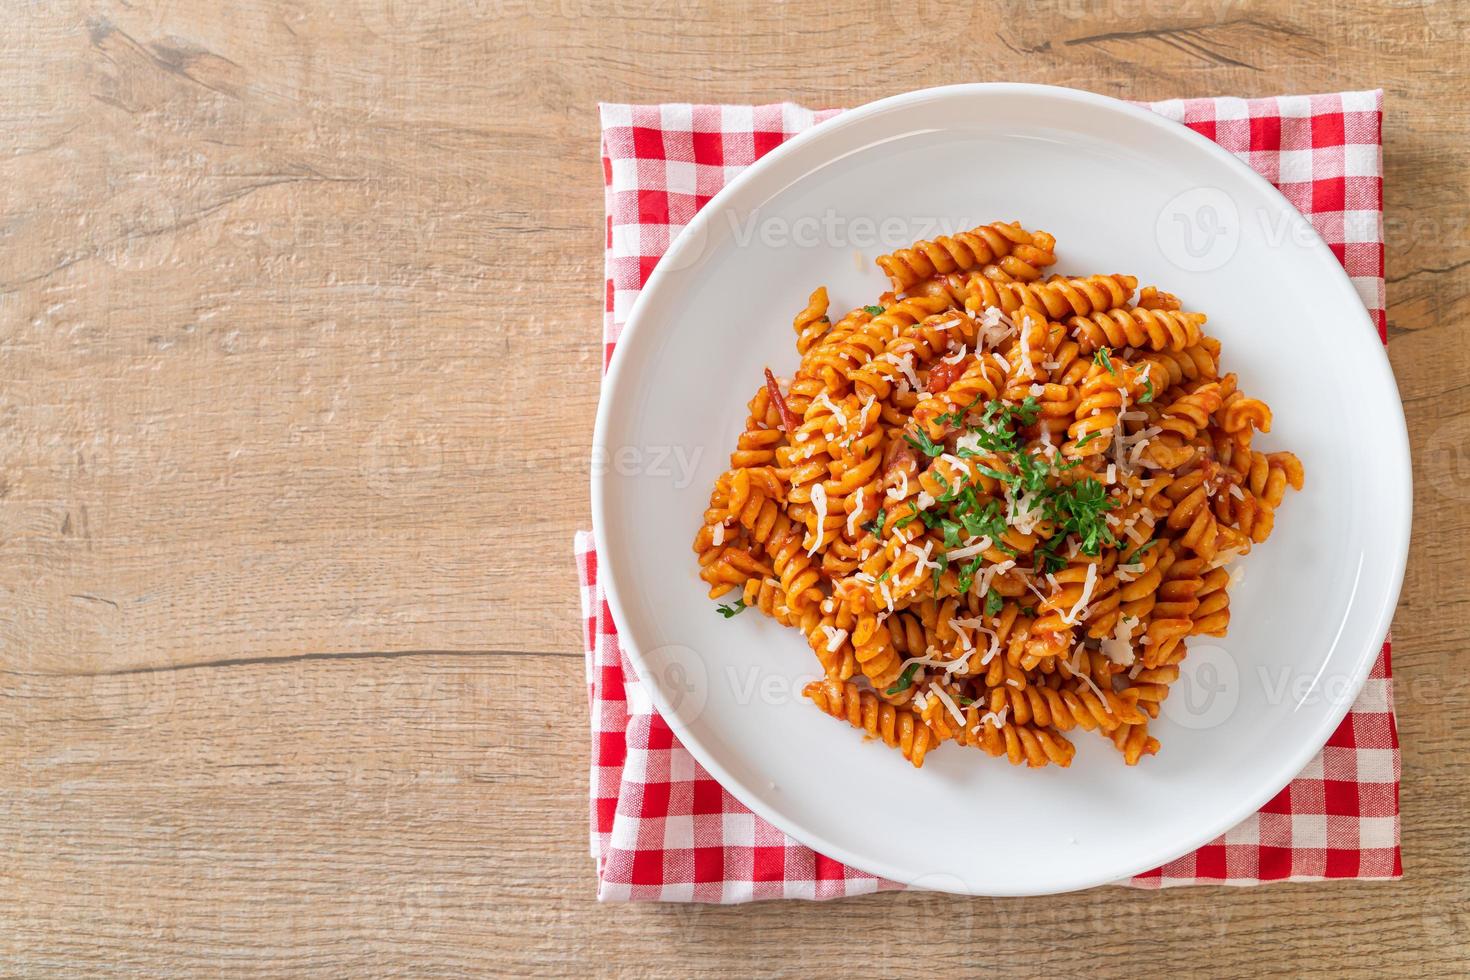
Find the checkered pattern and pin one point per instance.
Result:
(664, 830)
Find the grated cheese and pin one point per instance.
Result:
(1088, 584)
(906, 365)
(1074, 662)
(921, 556)
(990, 573)
(1100, 696)
(930, 658)
(1022, 512)
(969, 550)
(834, 637)
(1029, 369)
(965, 642)
(1119, 647)
(991, 718)
(902, 490)
(1225, 558)
(857, 512)
(824, 402)
(943, 695)
(819, 501)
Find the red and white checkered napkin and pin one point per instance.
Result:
(664, 830)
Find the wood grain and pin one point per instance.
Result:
(299, 333)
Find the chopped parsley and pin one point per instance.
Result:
(1046, 557)
(1081, 509)
(734, 609)
(940, 566)
(875, 526)
(873, 310)
(1141, 549)
(993, 433)
(1148, 392)
(967, 511)
(958, 417)
(994, 473)
(951, 493)
(920, 440)
(905, 680)
(1102, 359)
(967, 573)
(951, 531)
(982, 521)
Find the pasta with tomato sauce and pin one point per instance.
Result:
(997, 502)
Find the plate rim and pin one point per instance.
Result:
(1400, 467)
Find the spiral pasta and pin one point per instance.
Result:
(1017, 252)
(997, 503)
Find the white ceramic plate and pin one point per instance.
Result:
(1123, 190)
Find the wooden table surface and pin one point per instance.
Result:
(299, 340)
